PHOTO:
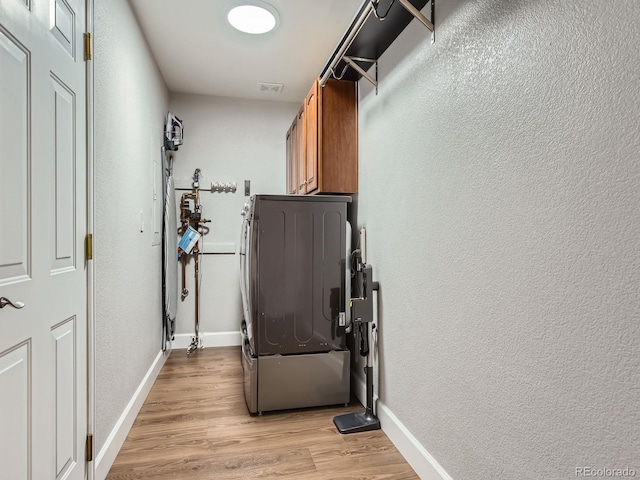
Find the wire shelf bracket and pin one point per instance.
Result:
(351, 61)
(416, 13)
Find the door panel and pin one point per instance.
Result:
(311, 139)
(64, 111)
(292, 158)
(65, 386)
(63, 25)
(14, 179)
(301, 167)
(15, 414)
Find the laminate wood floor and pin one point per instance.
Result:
(195, 425)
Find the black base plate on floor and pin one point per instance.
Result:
(356, 422)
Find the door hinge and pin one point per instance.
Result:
(89, 246)
(88, 47)
(89, 448)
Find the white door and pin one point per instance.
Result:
(43, 346)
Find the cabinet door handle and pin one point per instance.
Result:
(303, 184)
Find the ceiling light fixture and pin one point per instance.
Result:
(252, 16)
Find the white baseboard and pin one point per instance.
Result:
(118, 435)
(414, 453)
(209, 339)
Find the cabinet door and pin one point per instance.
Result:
(301, 171)
(311, 138)
(292, 158)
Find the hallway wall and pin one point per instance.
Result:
(131, 102)
(230, 140)
(500, 185)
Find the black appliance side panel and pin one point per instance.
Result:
(300, 284)
(252, 282)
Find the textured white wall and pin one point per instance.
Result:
(507, 241)
(230, 140)
(130, 104)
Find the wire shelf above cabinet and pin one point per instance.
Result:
(376, 25)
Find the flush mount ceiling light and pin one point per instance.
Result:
(252, 16)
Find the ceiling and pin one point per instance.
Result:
(198, 52)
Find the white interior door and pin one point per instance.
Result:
(43, 346)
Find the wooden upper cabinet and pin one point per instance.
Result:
(327, 140)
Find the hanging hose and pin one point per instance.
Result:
(192, 218)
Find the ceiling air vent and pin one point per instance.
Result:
(270, 87)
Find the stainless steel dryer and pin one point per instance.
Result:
(294, 270)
